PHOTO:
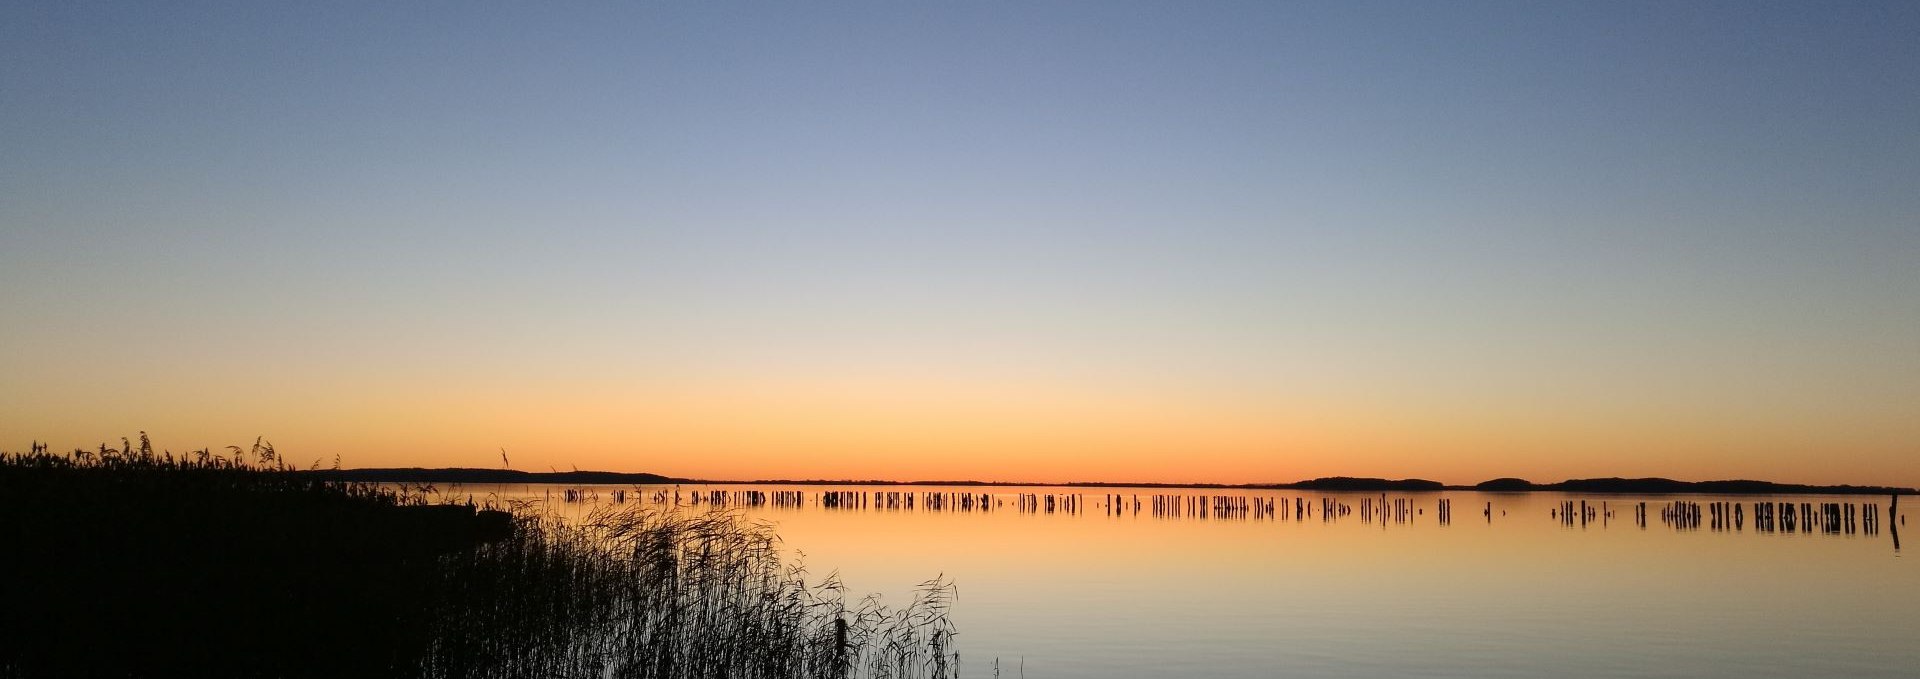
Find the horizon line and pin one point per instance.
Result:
(1415, 484)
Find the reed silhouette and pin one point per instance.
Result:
(133, 563)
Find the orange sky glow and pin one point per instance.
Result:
(1049, 242)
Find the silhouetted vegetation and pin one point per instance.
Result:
(1662, 486)
(1369, 484)
(471, 475)
(131, 563)
(1330, 484)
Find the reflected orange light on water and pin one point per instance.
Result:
(1091, 593)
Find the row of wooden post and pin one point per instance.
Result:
(1825, 517)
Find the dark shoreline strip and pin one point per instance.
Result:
(1645, 486)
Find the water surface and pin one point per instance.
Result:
(1236, 591)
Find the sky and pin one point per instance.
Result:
(1053, 241)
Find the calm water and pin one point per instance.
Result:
(1109, 591)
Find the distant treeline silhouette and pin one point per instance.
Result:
(1650, 486)
(482, 476)
(127, 562)
(1662, 486)
(1364, 484)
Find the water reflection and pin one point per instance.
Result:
(1810, 516)
(1094, 582)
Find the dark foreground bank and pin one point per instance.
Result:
(131, 563)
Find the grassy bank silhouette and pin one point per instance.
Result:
(133, 563)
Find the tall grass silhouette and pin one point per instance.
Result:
(130, 562)
(647, 592)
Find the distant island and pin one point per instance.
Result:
(474, 475)
(1616, 485)
(1657, 486)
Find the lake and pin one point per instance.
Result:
(1381, 585)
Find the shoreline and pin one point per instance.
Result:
(1606, 486)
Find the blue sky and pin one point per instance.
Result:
(1641, 214)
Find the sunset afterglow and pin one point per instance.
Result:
(1064, 242)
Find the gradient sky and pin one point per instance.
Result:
(1036, 241)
